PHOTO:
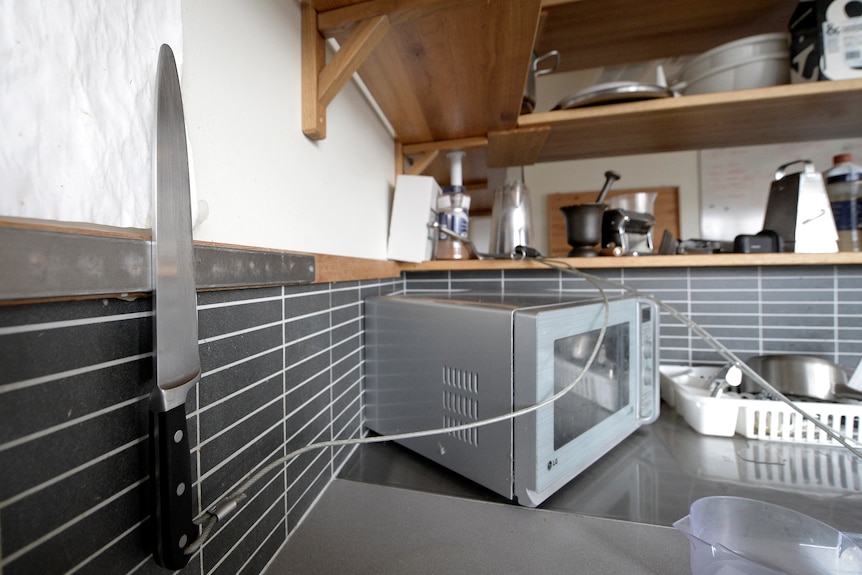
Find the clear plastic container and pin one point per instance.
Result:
(453, 213)
(734, 535)
(844, 186)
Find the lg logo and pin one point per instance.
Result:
(552, 463)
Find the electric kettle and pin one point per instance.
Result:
(511, 222)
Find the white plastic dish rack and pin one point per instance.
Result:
(684, 388)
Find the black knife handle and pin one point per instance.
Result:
(170, 472)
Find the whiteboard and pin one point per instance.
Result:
(735, 182)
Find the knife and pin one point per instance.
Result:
(177, 364)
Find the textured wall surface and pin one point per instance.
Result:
(282, 367)
(814, 310)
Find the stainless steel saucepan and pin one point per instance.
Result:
(801, 375)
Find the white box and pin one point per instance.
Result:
(413, 208)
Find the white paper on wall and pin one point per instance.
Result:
(76, 107)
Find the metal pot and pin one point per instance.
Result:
(528, 103)
(511, 219)
(800, 375)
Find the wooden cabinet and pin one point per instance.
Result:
(450, 74)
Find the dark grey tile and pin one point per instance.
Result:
(33, 408)
(305, 305)
(268, 549)
(237, 466)
(38, 514)
(798, 333)
(221, 352)
(796, 272)
(300, 500)
(128, 551)
(309, 422)
(791, 296)
(818, 321)
(351, 429)
(50, 351)
(223, 415)
(344, 294)
(741, 321)
(850, 296)
(70, 547)
(237, 295)
(346, 374)
(824, 348)
(237, 438)
(307, 360)
(675, 356)
(346, 408)
(735, 296)
(848, 312)
(237, 541)
(490, 285)
(18, 315)
(64, 450)
(219, 384)
(799, 309)
(223, 320)
(347, 331)
(728, 308)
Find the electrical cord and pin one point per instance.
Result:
(230, 503)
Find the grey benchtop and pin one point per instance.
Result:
(393, 511)
(362, 528)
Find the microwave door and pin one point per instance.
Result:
(566, 437)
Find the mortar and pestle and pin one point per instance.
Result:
(584, 222)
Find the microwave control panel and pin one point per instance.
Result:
(649, 334)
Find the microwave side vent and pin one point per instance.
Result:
(461, 403)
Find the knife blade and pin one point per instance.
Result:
(175, 326)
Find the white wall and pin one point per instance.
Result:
(76, 89)
(265, 183)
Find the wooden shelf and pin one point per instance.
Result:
(597, 33)
(789, 113)
(675, 261)
(438, 69)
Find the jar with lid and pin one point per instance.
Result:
(844, 186)
(453, 213)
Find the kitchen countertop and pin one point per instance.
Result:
(392, 511)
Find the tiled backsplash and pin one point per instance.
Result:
(283, 367)
(801, 309)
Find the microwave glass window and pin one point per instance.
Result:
(603, 392)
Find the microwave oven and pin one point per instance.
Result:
(444, 360)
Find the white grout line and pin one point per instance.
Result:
(104, 548)
(253, 329)
(56, 479)
(53, 533)
(250, 387)
(251, 528)
(71, 372)
(239, 361)
(17, 329)
(71, 423)
(238, 302)
(237, 453)
(239, 421)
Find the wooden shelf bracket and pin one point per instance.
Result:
(321, 81)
